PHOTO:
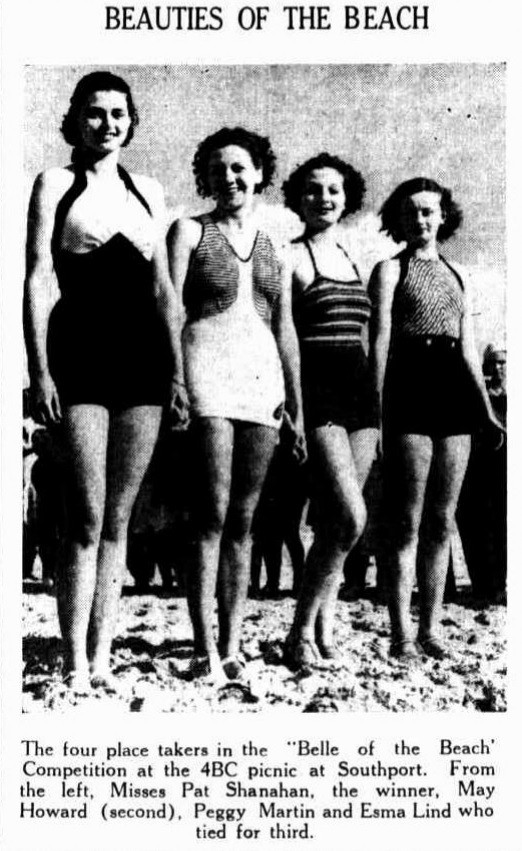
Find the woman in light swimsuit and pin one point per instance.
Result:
(331, 309)
(433, 396)
(106, 359)
(242, 369)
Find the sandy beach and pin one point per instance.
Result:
(153, 646)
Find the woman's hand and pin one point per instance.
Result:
(178, 406)
(495, 433)
(296, 434)
(379, 451)
(45, 403)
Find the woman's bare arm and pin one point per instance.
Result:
(381, 289)
(288, 346)
(40, 290)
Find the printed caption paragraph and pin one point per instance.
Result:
(246, 791)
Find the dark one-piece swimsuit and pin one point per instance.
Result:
(106, 342)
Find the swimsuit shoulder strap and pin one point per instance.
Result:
(131, 187)
(312, 257)
(344, 251)
(65, 203)
(453, 270)
(78, 186)
(404, 261)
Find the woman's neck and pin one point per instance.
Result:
(235, 219)
(424, 252)
(325, 236)
(105, 166)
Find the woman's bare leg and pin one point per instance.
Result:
(253, 450)
(212, 452)
(363, 444)
(132, 437)
(408, 459)
(86, 434)
(341, 515)
(450, 460)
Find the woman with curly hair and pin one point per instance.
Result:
(107, 358)
(241, 364)
(433, 396)
(331, 309)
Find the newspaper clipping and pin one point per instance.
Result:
(254, 338)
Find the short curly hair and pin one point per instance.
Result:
(391, 210)
(353, 182)
(257, 146)
(98, 81)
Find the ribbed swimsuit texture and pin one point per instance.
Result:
(330, 317)
(428, 389)
(106, 343)
(232, 365)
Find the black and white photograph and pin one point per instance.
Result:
(264, 402)
(259, 523)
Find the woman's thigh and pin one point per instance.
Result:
(407, 464)
(363, 443)
(254, 447)
(133, 433)
(450, 461)
(86, 429)
(335, 477)
(212, 454)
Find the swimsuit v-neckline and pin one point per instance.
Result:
(231, 246)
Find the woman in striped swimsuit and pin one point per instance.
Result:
(433, 396)
(242, 369)
(331, 309)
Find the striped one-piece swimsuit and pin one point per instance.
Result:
(232, 364)
(330, 316)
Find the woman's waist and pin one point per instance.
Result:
(240, 321)
(334, 349)
(424, 342)
(114, 266)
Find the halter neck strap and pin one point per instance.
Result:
(78, 186)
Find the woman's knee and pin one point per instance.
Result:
(440, 524)
(211, 515)
(239, 521)
(85, 524)
(348, 524)
(116, 523)
(404, 528)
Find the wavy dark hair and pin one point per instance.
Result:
(98, 81)
(353, 182)
(257, 146)
(391, 210)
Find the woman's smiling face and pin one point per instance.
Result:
(104, 122)
(232, 177)
(323, 199)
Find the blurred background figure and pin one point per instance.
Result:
(43, 499)
(482, 511)
(160, 530)
(277, 520)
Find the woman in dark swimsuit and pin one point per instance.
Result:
(331, 308)
(106, 359)
(433, 396)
